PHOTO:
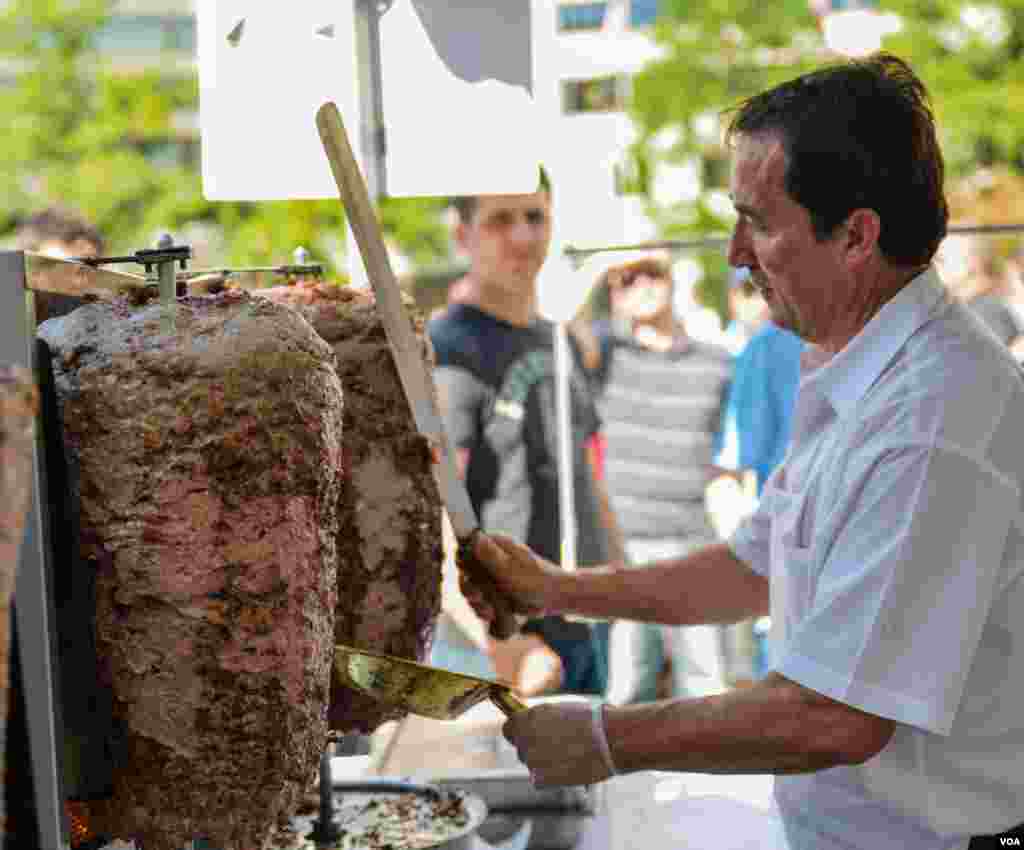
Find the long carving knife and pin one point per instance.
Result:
(417, 381)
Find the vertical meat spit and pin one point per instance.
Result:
(23, 278)
(69, 751)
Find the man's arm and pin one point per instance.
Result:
(710, 585)
(775, 726)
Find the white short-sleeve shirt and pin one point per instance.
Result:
(893, 538)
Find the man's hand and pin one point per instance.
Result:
(523, 578)
(563, 743)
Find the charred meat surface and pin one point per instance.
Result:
(206, 467)
(390, 554)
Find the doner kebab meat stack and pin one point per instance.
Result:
(252, 489)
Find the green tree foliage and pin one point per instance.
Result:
(718, 52)
(971, 56)
(90, 133)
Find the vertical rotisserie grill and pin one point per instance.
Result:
(98, 589)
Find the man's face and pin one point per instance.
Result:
(803, 281)
(507, 239)
(643, 297)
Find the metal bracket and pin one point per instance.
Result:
(147, 257)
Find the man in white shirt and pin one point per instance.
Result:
(888, 546)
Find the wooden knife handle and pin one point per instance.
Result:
(504, 624)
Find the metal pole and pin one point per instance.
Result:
(34, 612)
(372, 141)
(721, 241)
(369, 76)
(325, 831)
(566, 472)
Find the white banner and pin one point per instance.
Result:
(459, 104)
(264, 70)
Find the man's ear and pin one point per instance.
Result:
(862, 230)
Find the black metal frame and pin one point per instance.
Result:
(34, 609)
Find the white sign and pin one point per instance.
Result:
(458, 95)
(264, 70)
(459, 100)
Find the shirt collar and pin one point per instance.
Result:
(845, 378)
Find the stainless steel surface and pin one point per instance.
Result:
(352, 799)
(505, 789)
(549, 830)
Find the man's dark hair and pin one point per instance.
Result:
(465, 205)
(859, 135)
(57, 225)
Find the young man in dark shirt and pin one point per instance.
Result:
(495, 376)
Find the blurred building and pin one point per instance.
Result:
(600, 47)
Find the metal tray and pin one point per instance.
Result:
(510, 789)
(352, 806)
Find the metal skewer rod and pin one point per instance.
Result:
(304, 269)
(325, 832)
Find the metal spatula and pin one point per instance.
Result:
(418, 688)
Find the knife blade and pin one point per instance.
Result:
(417, 382)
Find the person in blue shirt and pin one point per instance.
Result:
(754, 435)
(760, 404)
